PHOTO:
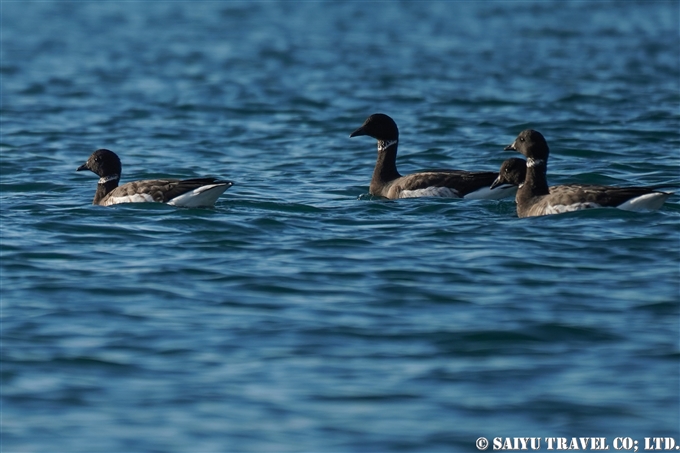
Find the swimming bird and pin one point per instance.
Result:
(513, 172)
(388, 183)
(186, 193)
(535, 198)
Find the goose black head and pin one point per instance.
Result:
(531, 144)
(513, 171)
(103, 163)
(379, 126)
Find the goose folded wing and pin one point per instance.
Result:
(460, 180)
(601, 195)
(159, 190)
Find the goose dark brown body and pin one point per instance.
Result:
(387, 182)
(535, 198)
(186, 192)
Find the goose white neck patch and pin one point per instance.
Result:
(534, 162)
(383, 145)
(105, 179)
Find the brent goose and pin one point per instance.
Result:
(535, 198)
(188, 193)
(388, 183)
(513, 172)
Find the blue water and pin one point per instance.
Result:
(300, 314)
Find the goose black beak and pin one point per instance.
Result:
(358, 132)
(510, 147)
(82, 167)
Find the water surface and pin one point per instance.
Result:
(301, 314)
